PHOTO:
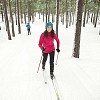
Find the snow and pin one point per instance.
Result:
(78, 79)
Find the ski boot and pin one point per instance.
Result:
(43, 66)
(51, 75)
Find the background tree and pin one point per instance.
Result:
(6, 19)
(28, 9)
(57, 16)
(11, 16)
(19, 27)
(79, 11)
(98, 2)
(1, 5)
(85, 10)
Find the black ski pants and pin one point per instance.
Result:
(29, 31)
(51, 54)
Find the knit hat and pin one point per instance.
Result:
(49, 24)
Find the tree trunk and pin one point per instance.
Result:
(87, 17)
(16, 11)
(57, 16)
(76, 50)
(52, 18)
(70, 22)
(21, 11)
(99, 32)
(43, 15)
(84, 18)
(2, 13)
(46, 11)
(63, 19)
(70, 19)
(29, 11)
(19, 27)
(9, 18)
(49, 11)
(13, 33)
(91, 17)
(73, 18)
(66, 13)
(33, 11)
(6, 18)
(25, 11)
(96, 16)
(39, 15)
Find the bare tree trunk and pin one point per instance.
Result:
(91, 17)
(9, 18)
(57, 16)
(52, 18)
(73, 18)
(96, 16)
(6, 18)
(49, 11)
(29, 11)
(13, 32)
(39, 15)
(21, 11)
(2, 13)
(16, 11)
(63, 18)
(76, 50)
(84, 13)
(19, 27)
(87, 17)
(33, 19)
(70, 19)
(43, 15)
(66, 13)
(25, 11)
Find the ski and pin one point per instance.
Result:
(54, 82)
(46, 85)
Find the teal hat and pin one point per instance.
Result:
(49, 24)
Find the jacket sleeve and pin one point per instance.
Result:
(41, 41)
(57, 40)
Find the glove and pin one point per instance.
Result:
(58, 50)
(43, 49)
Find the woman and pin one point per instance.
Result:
(28, 28)
(46, 43)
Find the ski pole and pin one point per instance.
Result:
(57, 59)
(39, 64)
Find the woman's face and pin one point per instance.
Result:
(49, 28)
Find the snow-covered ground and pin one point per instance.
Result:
(78, 79)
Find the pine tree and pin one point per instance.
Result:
(6, 19)
(76, 51)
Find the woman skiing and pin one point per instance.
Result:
(46, 43)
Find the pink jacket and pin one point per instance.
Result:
(48, 42)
